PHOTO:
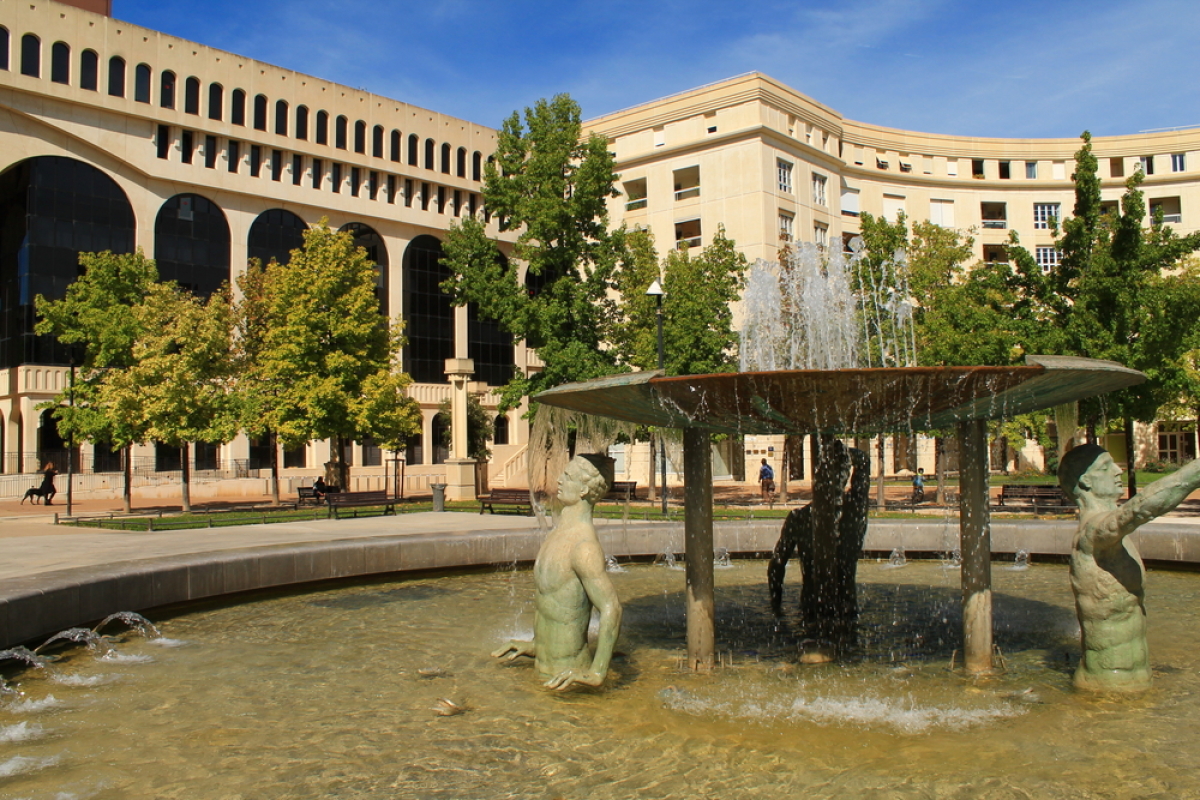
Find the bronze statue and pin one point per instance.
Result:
(570, 578)
(1107, 575)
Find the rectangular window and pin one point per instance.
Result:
(471, 204)
(233, 155)
(210, 152)
(787, 226)
(893, 206)
(441, 200)
(408, 192)
(335, 177)
(424, 196)
(163, 141)
(1047, 258)
(355, 180)
(318, 173)
(1116, 168)
(1058, 170)
(276, 165)
(1043, 213)
(784, 174)
(187, 146)
(687, 233)
(1005, 170)
(297, 169)
(821, 235)
(994, 215)
(941, 212)
(819, 197)
(977, 168)
(687, 183)
(952, 167)
(372, 184)
(1031, 170)
(255, 160)
(635, 194)
(850, 206)
(1178, 162)
(1147, 164)
(457, 203)
(391, 188)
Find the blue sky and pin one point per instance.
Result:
(1021, 68)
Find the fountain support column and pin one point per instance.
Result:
(975, 534)
(698, 547)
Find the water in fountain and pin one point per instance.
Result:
(721, 558)
(134, 620)
(666, 559)
(824, 309)
(94, 641)
(24, 654)
(1020, 561)
(611, 565)
(897, 559)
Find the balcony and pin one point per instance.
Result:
(635, 190)
(995, 224)
(635, 205)
(687, 183)
(994, 215)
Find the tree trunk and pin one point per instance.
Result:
(274, 467)
(1131, 457)
(785, 466)
(184, 457)
(880, 499)
(336, 471)
(652, 493)
(127, 492)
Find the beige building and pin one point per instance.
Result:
(118, 137)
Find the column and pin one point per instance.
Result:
(460, 470)
(976, 544)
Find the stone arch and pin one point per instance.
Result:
(191, 243)
(52, 208)
(427, 311)
(275, 234)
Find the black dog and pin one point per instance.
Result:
(34, 493)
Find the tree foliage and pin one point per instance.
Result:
(635, 337)
(697, 307)
(552, 185)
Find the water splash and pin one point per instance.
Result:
(611, 565)
(33, 706)
(952, 559)
(721, 558)
(1020, 561)
(21, 732)
(20, 765)
(897, 559)
(30, 657)
(134, 620)
(665, 559)
(94, 641)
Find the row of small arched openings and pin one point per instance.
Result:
(300, 122)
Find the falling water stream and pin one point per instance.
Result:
(359, 691)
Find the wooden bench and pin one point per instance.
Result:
(623, 491)
(1040, 496)
(356, 500)
(306, 494)
(505, 497)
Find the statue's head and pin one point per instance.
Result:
(1089, 470)
(593, 472)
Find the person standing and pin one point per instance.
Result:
(918, 483)
(766, 480)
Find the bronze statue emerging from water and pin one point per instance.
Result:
(829, 534)
(1106, 570)
(570, 578)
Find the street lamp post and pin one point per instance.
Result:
(657, 292)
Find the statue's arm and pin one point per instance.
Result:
(1158, 498)
(515, 649)
(587, 559)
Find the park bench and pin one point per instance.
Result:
(306, 494)
(505, 497)
(1043, 497)
(623, 491)
(357, 500)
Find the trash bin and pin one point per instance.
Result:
(439, 496)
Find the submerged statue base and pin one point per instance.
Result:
(570, 579)
(1107, 575)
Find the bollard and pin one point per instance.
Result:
(439, 496)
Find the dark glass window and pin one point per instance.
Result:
(89, 70)
(414, 450)
(191, 96)
(461, 170)
(457, 203)
(276, 165)
(31, 56)
(233, 156)
(302, 122)
(377, 141)
(430, 148)
(439, 432)
(391, 188)
(446, 159)
(441, 199)
(360, 137)
(260, 453)
(275, 234)
(210, 152)
(476, 165)
(297, 169)
(372, 184)
(167, 458)
(191, 243)
(187, 146)
(490, 346)
(60, 63)
(414, 146)
(355, 180)
(237, 107)
(51, 209)
(318, 173)
(260, 112)
(163, 141)
(166, 90)
(141, 83)
(322, 132)
(255, 160)
(408, 192)
(216, 99)
(4, 48)
(335, 178)
(427, 311)
(105, 459)
(425, 193)
(207, 456)
(281, 117)
(372, 455)
(295, 457)
(116, 76)
(339, 133)
(395, 154)
(366, 238)
(500, 429)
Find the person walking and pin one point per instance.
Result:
(766, 480)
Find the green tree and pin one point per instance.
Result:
(176, 390)
(551, 184)
(635, 338)
(97, 317)
(697, 307)
(325, 362)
